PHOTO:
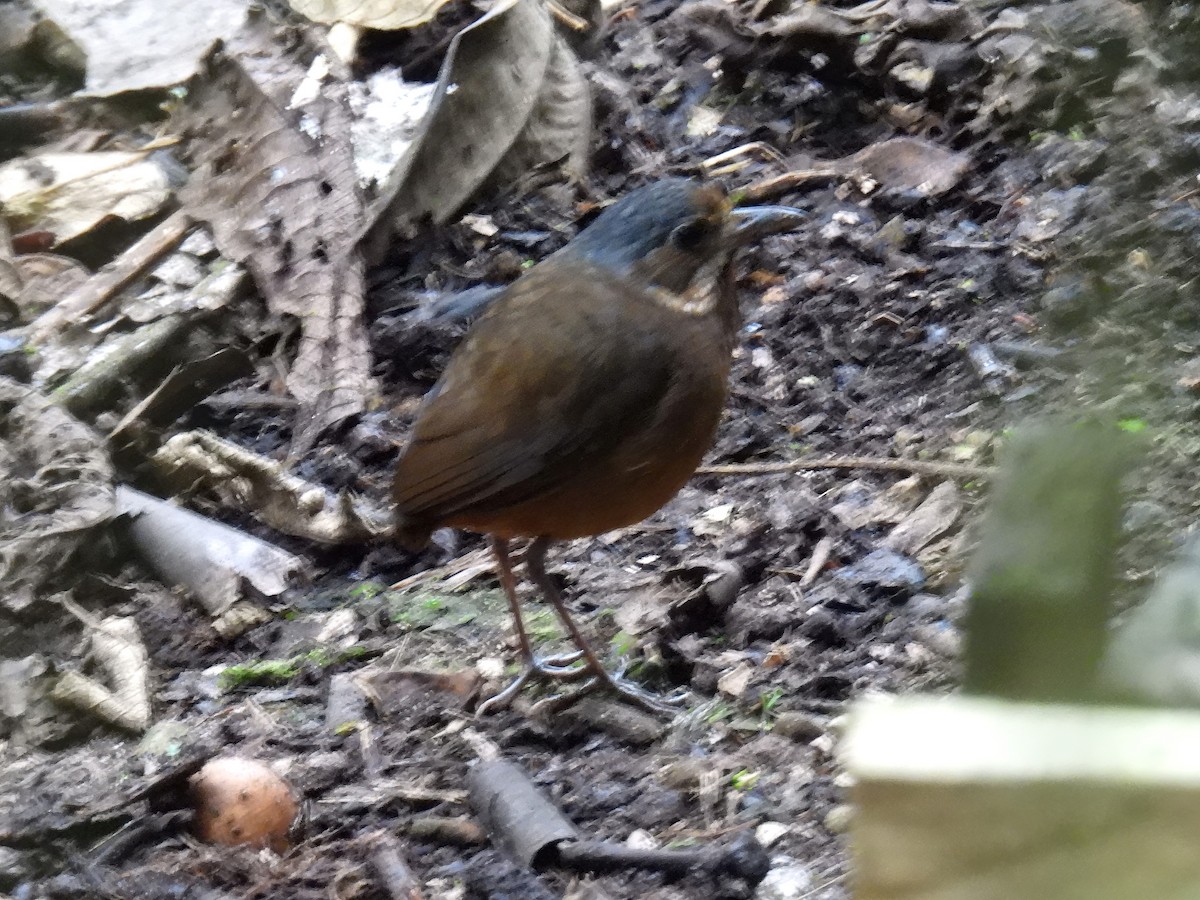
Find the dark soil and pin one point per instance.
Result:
(1057, 276)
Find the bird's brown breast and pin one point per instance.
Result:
(580, 403)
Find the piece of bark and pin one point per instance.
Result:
(210, 559)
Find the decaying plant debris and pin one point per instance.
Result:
(218, 323)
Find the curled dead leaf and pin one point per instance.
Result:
(510, 97)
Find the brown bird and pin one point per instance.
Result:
(586, 395)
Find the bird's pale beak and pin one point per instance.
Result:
(753, 222)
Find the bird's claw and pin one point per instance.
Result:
(650, 702)
(554, 668)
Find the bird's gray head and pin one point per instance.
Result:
(671, 228)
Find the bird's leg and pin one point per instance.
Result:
(559, 667)
(550, 665)
(535, 564)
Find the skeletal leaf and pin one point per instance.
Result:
(278, 186)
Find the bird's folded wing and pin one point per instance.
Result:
(512, 418)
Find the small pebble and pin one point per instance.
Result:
(641, 840)
(769, 833)
(490, 667)
(787, 880)
(837, 820)
(799, 726)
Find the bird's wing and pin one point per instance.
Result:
(543, 385)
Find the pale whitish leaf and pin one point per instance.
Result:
(68, 194)
(138, 44)
(384, 15)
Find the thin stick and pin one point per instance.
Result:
(916, 466)
(568, 18)
(770, 188)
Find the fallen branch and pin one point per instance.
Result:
(531, 828)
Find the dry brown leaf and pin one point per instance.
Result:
(279, 189)
(908, 163)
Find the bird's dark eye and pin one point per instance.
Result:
(690, 235)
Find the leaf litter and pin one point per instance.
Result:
(933, 232)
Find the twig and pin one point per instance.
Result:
(477, 562)
(568, 18)
(114, 278)
(743, 859)
(916, 466)
(724, 163)
(819, 558)
(770, 188)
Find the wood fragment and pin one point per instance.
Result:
(117, 645)
(393, 870)
(1037, 620)
(113, 278)
(966, 798)
(211, 559)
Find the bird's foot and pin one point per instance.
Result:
(554, 668)
(615, 684)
